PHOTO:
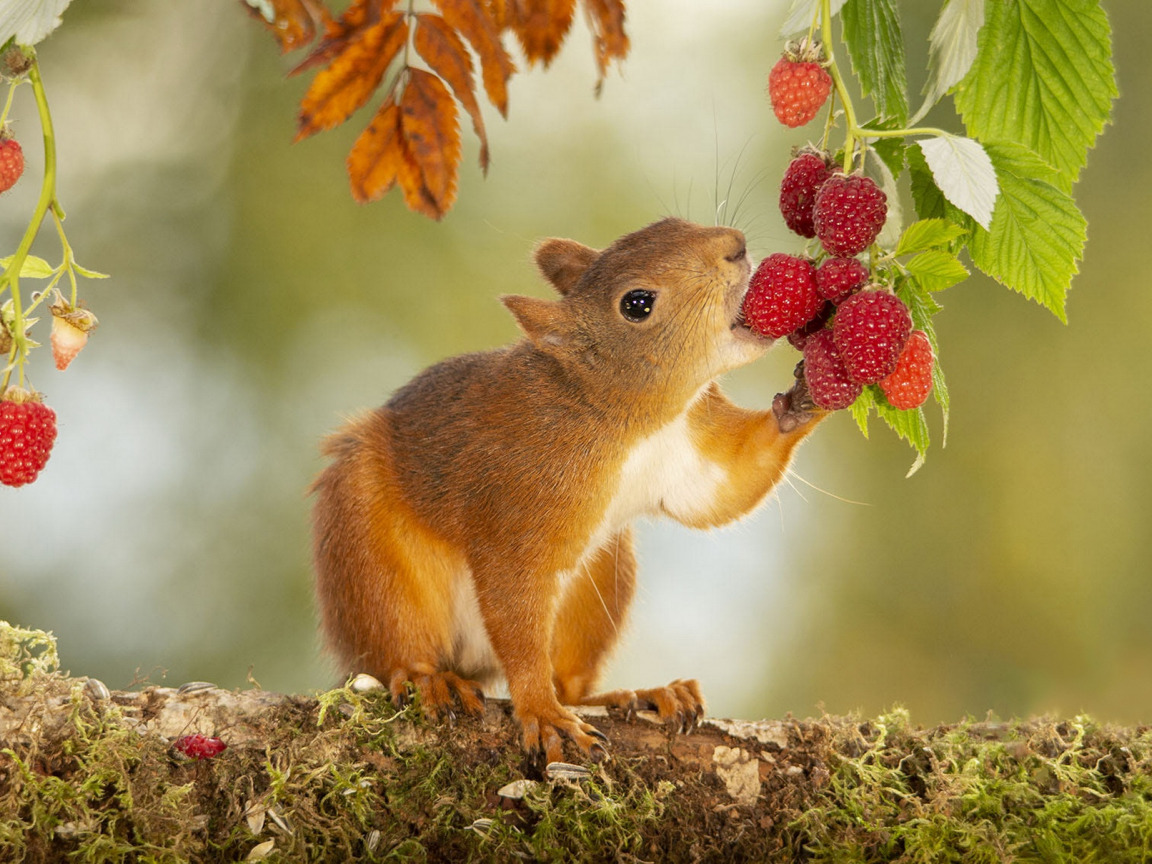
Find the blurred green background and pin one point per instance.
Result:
(253, 303)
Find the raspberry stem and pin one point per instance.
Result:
(18, 353)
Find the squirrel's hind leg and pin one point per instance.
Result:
(386, 584)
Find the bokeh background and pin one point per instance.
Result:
(252, 303)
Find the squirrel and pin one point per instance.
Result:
(478, 523)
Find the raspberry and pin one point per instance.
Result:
(11, 163)
(848, 214)
(798, 88)
(781, 296)
(870, 331)
(27, 431)
(910, 382)
(70, 329)
(825, 375)
(804, 175)
(837, 278)
(799, 338)
(199, 746)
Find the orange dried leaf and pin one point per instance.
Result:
(376, 158)
(293, 22)
(338, 33)
(447, 56)
(606, 20)
(432, 134)
(541, 26)
(353, 76)
(473, 21)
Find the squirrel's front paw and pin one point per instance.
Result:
(795, 407)
(544, 731)
(440, 692)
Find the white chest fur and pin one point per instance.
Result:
(664, 474)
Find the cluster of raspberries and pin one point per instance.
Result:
(851, 333)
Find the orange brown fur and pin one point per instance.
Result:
(477, 524)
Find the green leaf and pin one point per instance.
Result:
(88, 274)
(929, 234)
(909, 425)
(926, 195)
(801, 14)
(859, 409)
(32, 268)
(964, 173)
(871, 30)
(952, 47)
(1037, 234)
(1043, 78)
(937, 269)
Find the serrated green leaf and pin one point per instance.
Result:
(910, 425)
(859, 410)
(926, 195)
(88, 274)
(936, 269)
(929, 234)
(802, 13)
(871, 30)
(1043, 78)
(952, 48)
(1037, 234)
(32, 268)
(964, 173)
(921, 304)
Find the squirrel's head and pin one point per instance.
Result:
(661, 305)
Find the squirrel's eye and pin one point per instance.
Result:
(637, 305)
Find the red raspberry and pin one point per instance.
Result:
(837, 278)
(848, 214)
(781, 296)
(798, 89)
(27, 431)
(911, 381)
(870, 331)
(805, 174)
(799, 338)
(199, 746)
(825, 375)
(11, 163)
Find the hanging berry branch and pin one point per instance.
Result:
(1001, 194)
(27, 425)
(421, 62)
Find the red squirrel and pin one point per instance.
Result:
(478, 524)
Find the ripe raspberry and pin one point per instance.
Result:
(837, 278)
(27, 431)
(781, 296)
(798, 88)
(825, 375)
(911, 381)
(199, 746)
(870, 331)
(848, 214)
(11, 163)
(804, 175)
(799, 338)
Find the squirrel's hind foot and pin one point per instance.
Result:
(440, 692)
(544, 732)
(680, 705)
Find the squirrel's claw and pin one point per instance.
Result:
(795, 407)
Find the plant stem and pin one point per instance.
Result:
(19, 350)
(838, 82)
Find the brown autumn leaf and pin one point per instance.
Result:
(428, 122)
(540, 25)
(606, 20)
(447, 55)
(414, 144)
(473, 21)
(339, 32)
(352, 76)
(293, 22)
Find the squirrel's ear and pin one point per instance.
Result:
(541, 320)
(563, 262)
